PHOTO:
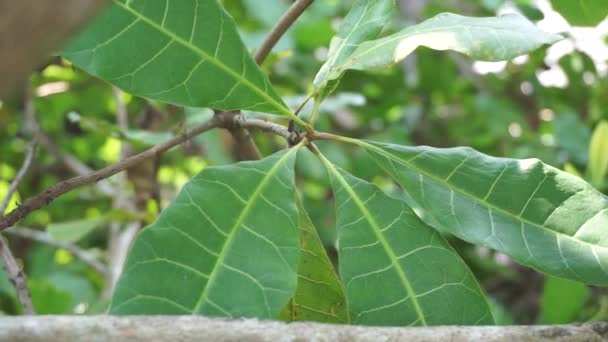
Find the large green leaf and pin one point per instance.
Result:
(539, 215)
(396, 269)
(226, 246)
(319, 295)
(487, 39)
(186, 52)
(365, 21)
(582, 12)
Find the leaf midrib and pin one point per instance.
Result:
(473, 197)
(238, 223)
(377, 231)
(282, 109)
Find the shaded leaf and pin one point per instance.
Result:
(541, 216)
(319, 295)
(226, 246)
(186, 52)
(397, 270)
(486, 39)
(581, 12)
(365, 21)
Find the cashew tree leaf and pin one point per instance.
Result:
(226, 246)
(542, 217)
(186, 52)
(486, 39)
(397, 270)
(364, 22)
(319, 295)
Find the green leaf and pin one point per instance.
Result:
(319, 296)
(365, 21)
(582, 12)
(397, 270)
(186, 52)
(73, 231)
(562, 300)
(598, 154)
(226, 246)
(541, 216)
(486, 39)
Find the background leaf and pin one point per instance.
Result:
(319, 296)
(200, 258)
(562, 300)
(72, 231)
(539, 215)
(396, 270)
(486, 39)
(581, 12)
(598, 154)
(170, 50)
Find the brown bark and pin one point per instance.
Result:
(31, 30)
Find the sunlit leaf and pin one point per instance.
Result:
(542, 217)
(319, 296)
(186, 52)
(486, 39)
(562, 300)
(581, 12)
(598, 154)
(396, 269)
(226, 246)
(72, 231)
(364, 22)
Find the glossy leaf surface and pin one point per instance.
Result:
(226, 246)
(397, 270)
(319, 296)
(486, 39)
(537, 214)
(186, 52)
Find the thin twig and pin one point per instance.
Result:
(45, 238)
(59, 189)
(280, 28)
(27, 162)
(17, 277)
(246, 147)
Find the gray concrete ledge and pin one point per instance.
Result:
(196, 328)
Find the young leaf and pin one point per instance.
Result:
(537, 214)
(486, 39)
(186, 52)
(365, 21)
(396, 269)
(319, 295)
(226, 246)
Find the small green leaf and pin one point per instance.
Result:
(562, 300)
(582, 12)
(486, 39)
(598, 154)
(541, 216)
(365, 21)
(226, 246)
(186, 52)
(397, 270)
(73, 231)
(319, 296)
